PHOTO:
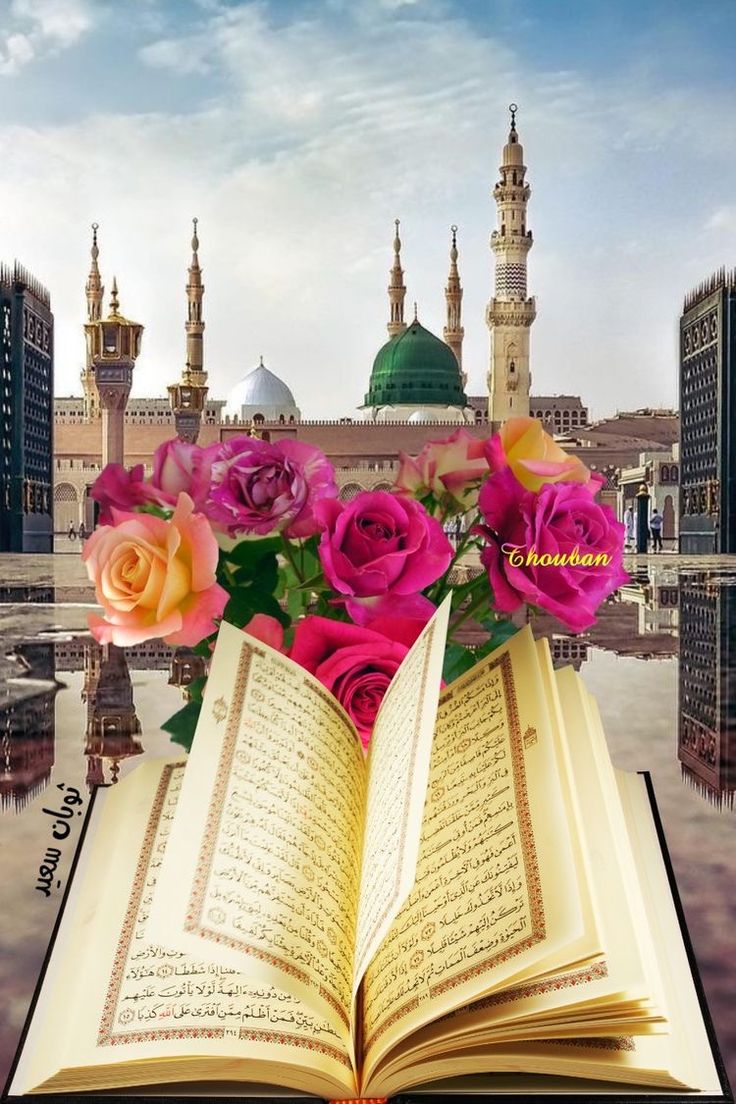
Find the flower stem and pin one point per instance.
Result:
(473, 606)
(289, 553)
(442, 586)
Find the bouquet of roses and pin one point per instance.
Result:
(253, 532)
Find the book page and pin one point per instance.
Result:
(398, 772)
(113, 997)
(496, 886)
(261, 872)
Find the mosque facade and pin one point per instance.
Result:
(416, 389)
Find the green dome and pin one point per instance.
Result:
(415, 368)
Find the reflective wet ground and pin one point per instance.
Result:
(661, 661)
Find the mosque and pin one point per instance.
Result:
(415, 392)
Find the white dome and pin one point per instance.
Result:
(262, 393)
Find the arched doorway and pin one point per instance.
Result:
(66, 507)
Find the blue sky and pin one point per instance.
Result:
(296, 132)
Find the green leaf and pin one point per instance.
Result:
(458, 660)
(152, 508)
(195, 689)
(182, 725)
(247, 553)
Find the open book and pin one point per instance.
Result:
(484, 895)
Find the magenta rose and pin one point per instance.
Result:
(355, 664)
(118, 488)
(182, 466)
(522, 527)
(381, 550)
(260, 488)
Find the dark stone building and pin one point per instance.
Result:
(708, 417)
(706, 739)
(26, 413)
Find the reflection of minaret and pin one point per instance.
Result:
(94, 292)
(187, 398)
(186, 666)
(706, 738)
(453, 332)
(510, 312)
(27, 727)
(396, 290)
(112, 724)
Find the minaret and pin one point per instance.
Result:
(112, 724)
(94, 291)
(113, 346)
(453, 332)
(510, 313)
(187, 398)
(396, 290)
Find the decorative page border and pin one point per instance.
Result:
(529, 854)
(107, 1036)
(567, 980)
(412, 766)
(193, 922)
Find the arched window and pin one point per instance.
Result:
(349, 491)
(258, 419)
(478, 417)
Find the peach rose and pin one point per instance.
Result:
(155, 577)
(533, 456)
(451, 469)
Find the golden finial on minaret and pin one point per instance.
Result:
(416, 319)
(453, 332)
(187, 398)
(396, 289)
(114, 303)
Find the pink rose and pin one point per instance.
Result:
(155, 577)
(260, 488)
(451, 470)
(381, 547)
(534, 457)
(118, 488)
(181, 466)
(562, 519)
(266, 629)
(355, 664)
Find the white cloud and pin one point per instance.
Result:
(41, 26)
(325, 131)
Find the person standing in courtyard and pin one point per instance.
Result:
(628, 527)
(72, 534)
(655, 528)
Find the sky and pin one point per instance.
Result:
(297, 131)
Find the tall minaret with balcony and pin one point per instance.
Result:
(94, 292)
(510, 312)
(187, 398)
(453, 332)
(113, 346)
(396, 290)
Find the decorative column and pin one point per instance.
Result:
(396, 290)
(187, 398)
(113, 346)
(453, 332)
(510, 312)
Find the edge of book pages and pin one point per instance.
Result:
(491, 1086)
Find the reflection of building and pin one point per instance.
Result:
(26, 413)
(186, 666)
(27, 726)
(112, 725)
(706, 738)
(568, 651)
(708, 410)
